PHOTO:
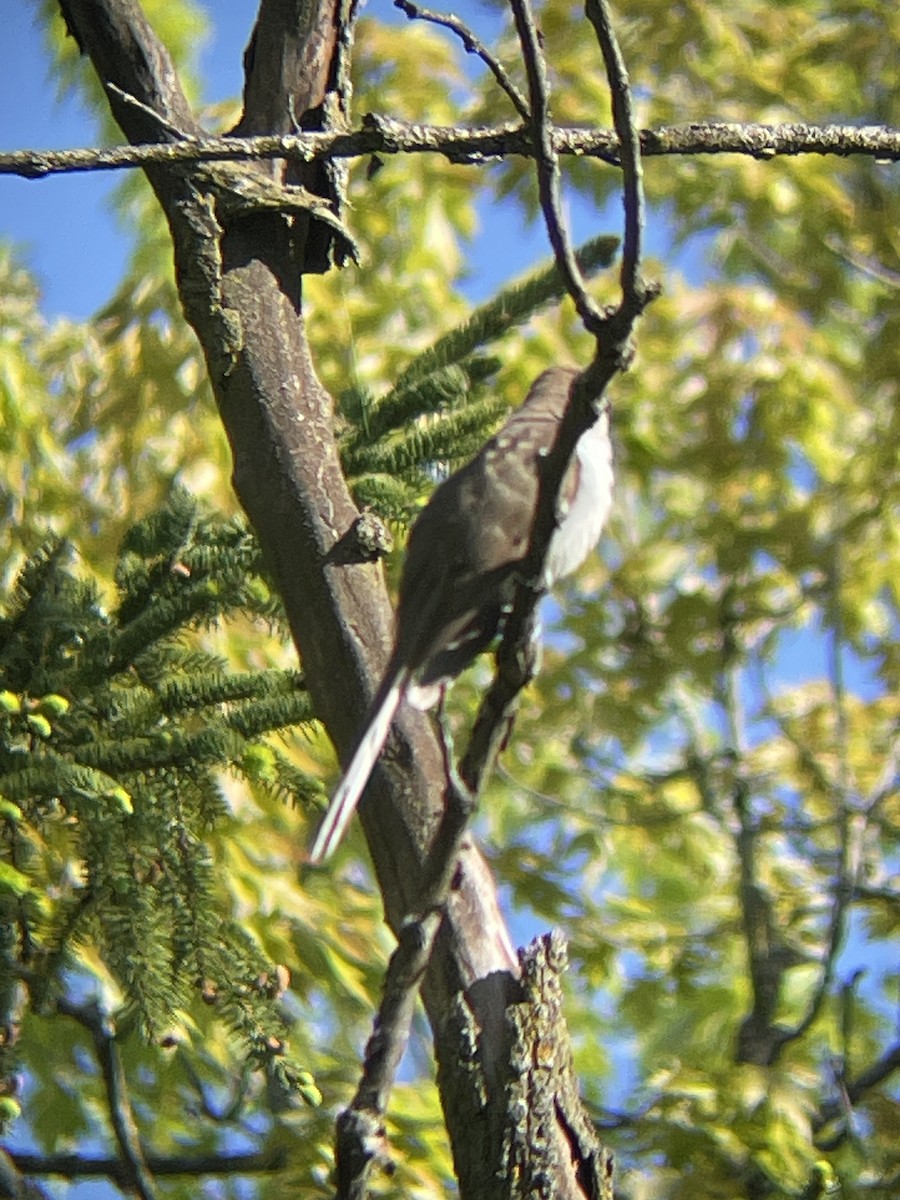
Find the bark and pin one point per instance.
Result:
(239, 263)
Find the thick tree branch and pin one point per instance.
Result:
(553, 1136)
(131, 57)
(385, 136)
(287, 66)
(297, 77)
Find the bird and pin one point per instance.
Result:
(464, 558)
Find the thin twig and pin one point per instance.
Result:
(630, 148)
(612, 331)
(851, 821)
(472, 45)
(360, 1127)
(165, 125)
(834, 650)
(102, 1030)
(547, 165)
(855, 1089)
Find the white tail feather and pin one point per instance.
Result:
(345, 799)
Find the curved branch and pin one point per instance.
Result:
(630, 150)
(472, 45)
(547, 164)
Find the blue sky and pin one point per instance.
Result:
(65, 224)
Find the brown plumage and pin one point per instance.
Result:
(463, 561)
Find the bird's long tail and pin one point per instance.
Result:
(345, 799)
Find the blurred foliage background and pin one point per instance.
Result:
(702, 787)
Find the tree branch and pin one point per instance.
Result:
(287, 66)
(760, 1038)
(131, 57)
(630, 151)
(875, 1074)
(612, 331)
(296, 76)
(239, 280)
(547, 165)
(472, 45)
(360, 1128)
(137, 1174)
(80, 1166)
(385, 136)
(854, 1091)
(851, 822)
(516, 666)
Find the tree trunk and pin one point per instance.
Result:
(239, 271)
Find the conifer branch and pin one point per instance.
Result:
(451, 436)
(392, 498)
(511, 307)
(441, 389)
(136, 760)
(205, 688)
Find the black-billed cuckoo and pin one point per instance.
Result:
(463, 561)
